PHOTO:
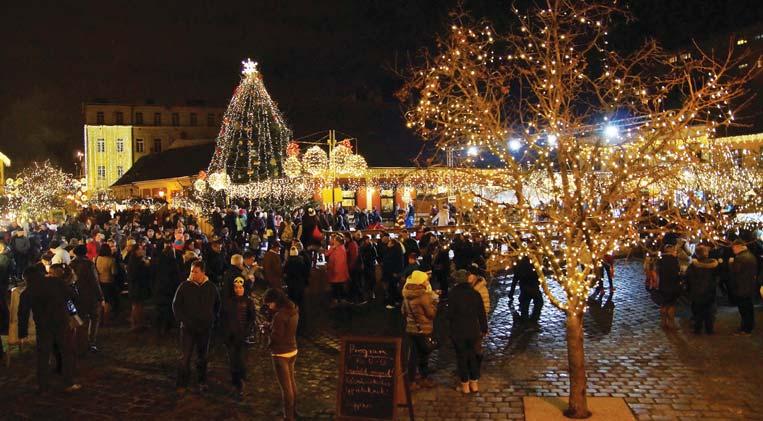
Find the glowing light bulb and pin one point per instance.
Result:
(472, 151)
(514, 145)
(552, 139)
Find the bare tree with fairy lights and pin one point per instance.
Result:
(248, 160)
(586, 144)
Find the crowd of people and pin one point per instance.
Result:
(246, 282)
(699, 271)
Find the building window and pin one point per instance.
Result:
(139, 118)
(193, 119)
(120, 145)
(100, 145)
(120, 170)
(139, 145)
(157, 145)
(118, 117)
(741, 41)
(387, 201)
(157, 119)
(210, 119)
(348, 199)
(175, 119)
(686, 56)
(743, 66)
(738, 156)
(673, 59)
(99, 117)
(101, 172)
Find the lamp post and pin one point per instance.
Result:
(78, 163)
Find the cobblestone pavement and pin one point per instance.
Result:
(660, 375)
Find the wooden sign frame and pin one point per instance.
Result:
(402, 391)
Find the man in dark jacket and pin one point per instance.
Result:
(296, 275)
(392, 268)
(48, 299)
(215, 258)
(196, 306)
(468, 324)
(90, 298)
(742, 284)
(700, 280)
(238, 315)
(166, 273)
(6, 266)
(529, 290)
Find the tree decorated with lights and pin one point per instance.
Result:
(250, 152)
(40, 189)
(587, 144)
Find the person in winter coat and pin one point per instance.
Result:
(166, 281)
(701, 283)
(355, 268)
(139, 285)
(392, 268)
(743, 268)
(48, 296)
(441, 266)
(238, 314)
(468, 325)
(668, 273)
(283, 347)
(337, 269)
(106, 269)
(6, 267)
(234, 274)
(296, 275)
(529, 291)
(272, 267)
(22, 251)
(215, 258)
(479, 283)
(419, 309)
(90, 299)
(310, 234)
(196, 306)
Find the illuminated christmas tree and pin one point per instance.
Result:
(251, 147)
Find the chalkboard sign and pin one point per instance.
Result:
(370, 378)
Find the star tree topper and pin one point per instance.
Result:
(250, 67)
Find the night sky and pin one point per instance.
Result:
(328, 64)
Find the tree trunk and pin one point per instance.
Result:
(578, 404)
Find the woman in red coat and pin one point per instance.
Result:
(337, 269)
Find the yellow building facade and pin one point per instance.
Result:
(117, 135)
(4, 163)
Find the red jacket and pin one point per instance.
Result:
(337, 269)
(92, 249)
(353, 255)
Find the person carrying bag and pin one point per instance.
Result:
(419, 308)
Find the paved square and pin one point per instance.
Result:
(660, 375)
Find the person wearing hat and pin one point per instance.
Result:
(468, 324)
(271, 266)
(479, 283)
(237, 317)
(89, 301)
(419, 309)
(743, 268)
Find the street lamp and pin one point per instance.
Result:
(611, 132)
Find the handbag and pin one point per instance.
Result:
(430, 342)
